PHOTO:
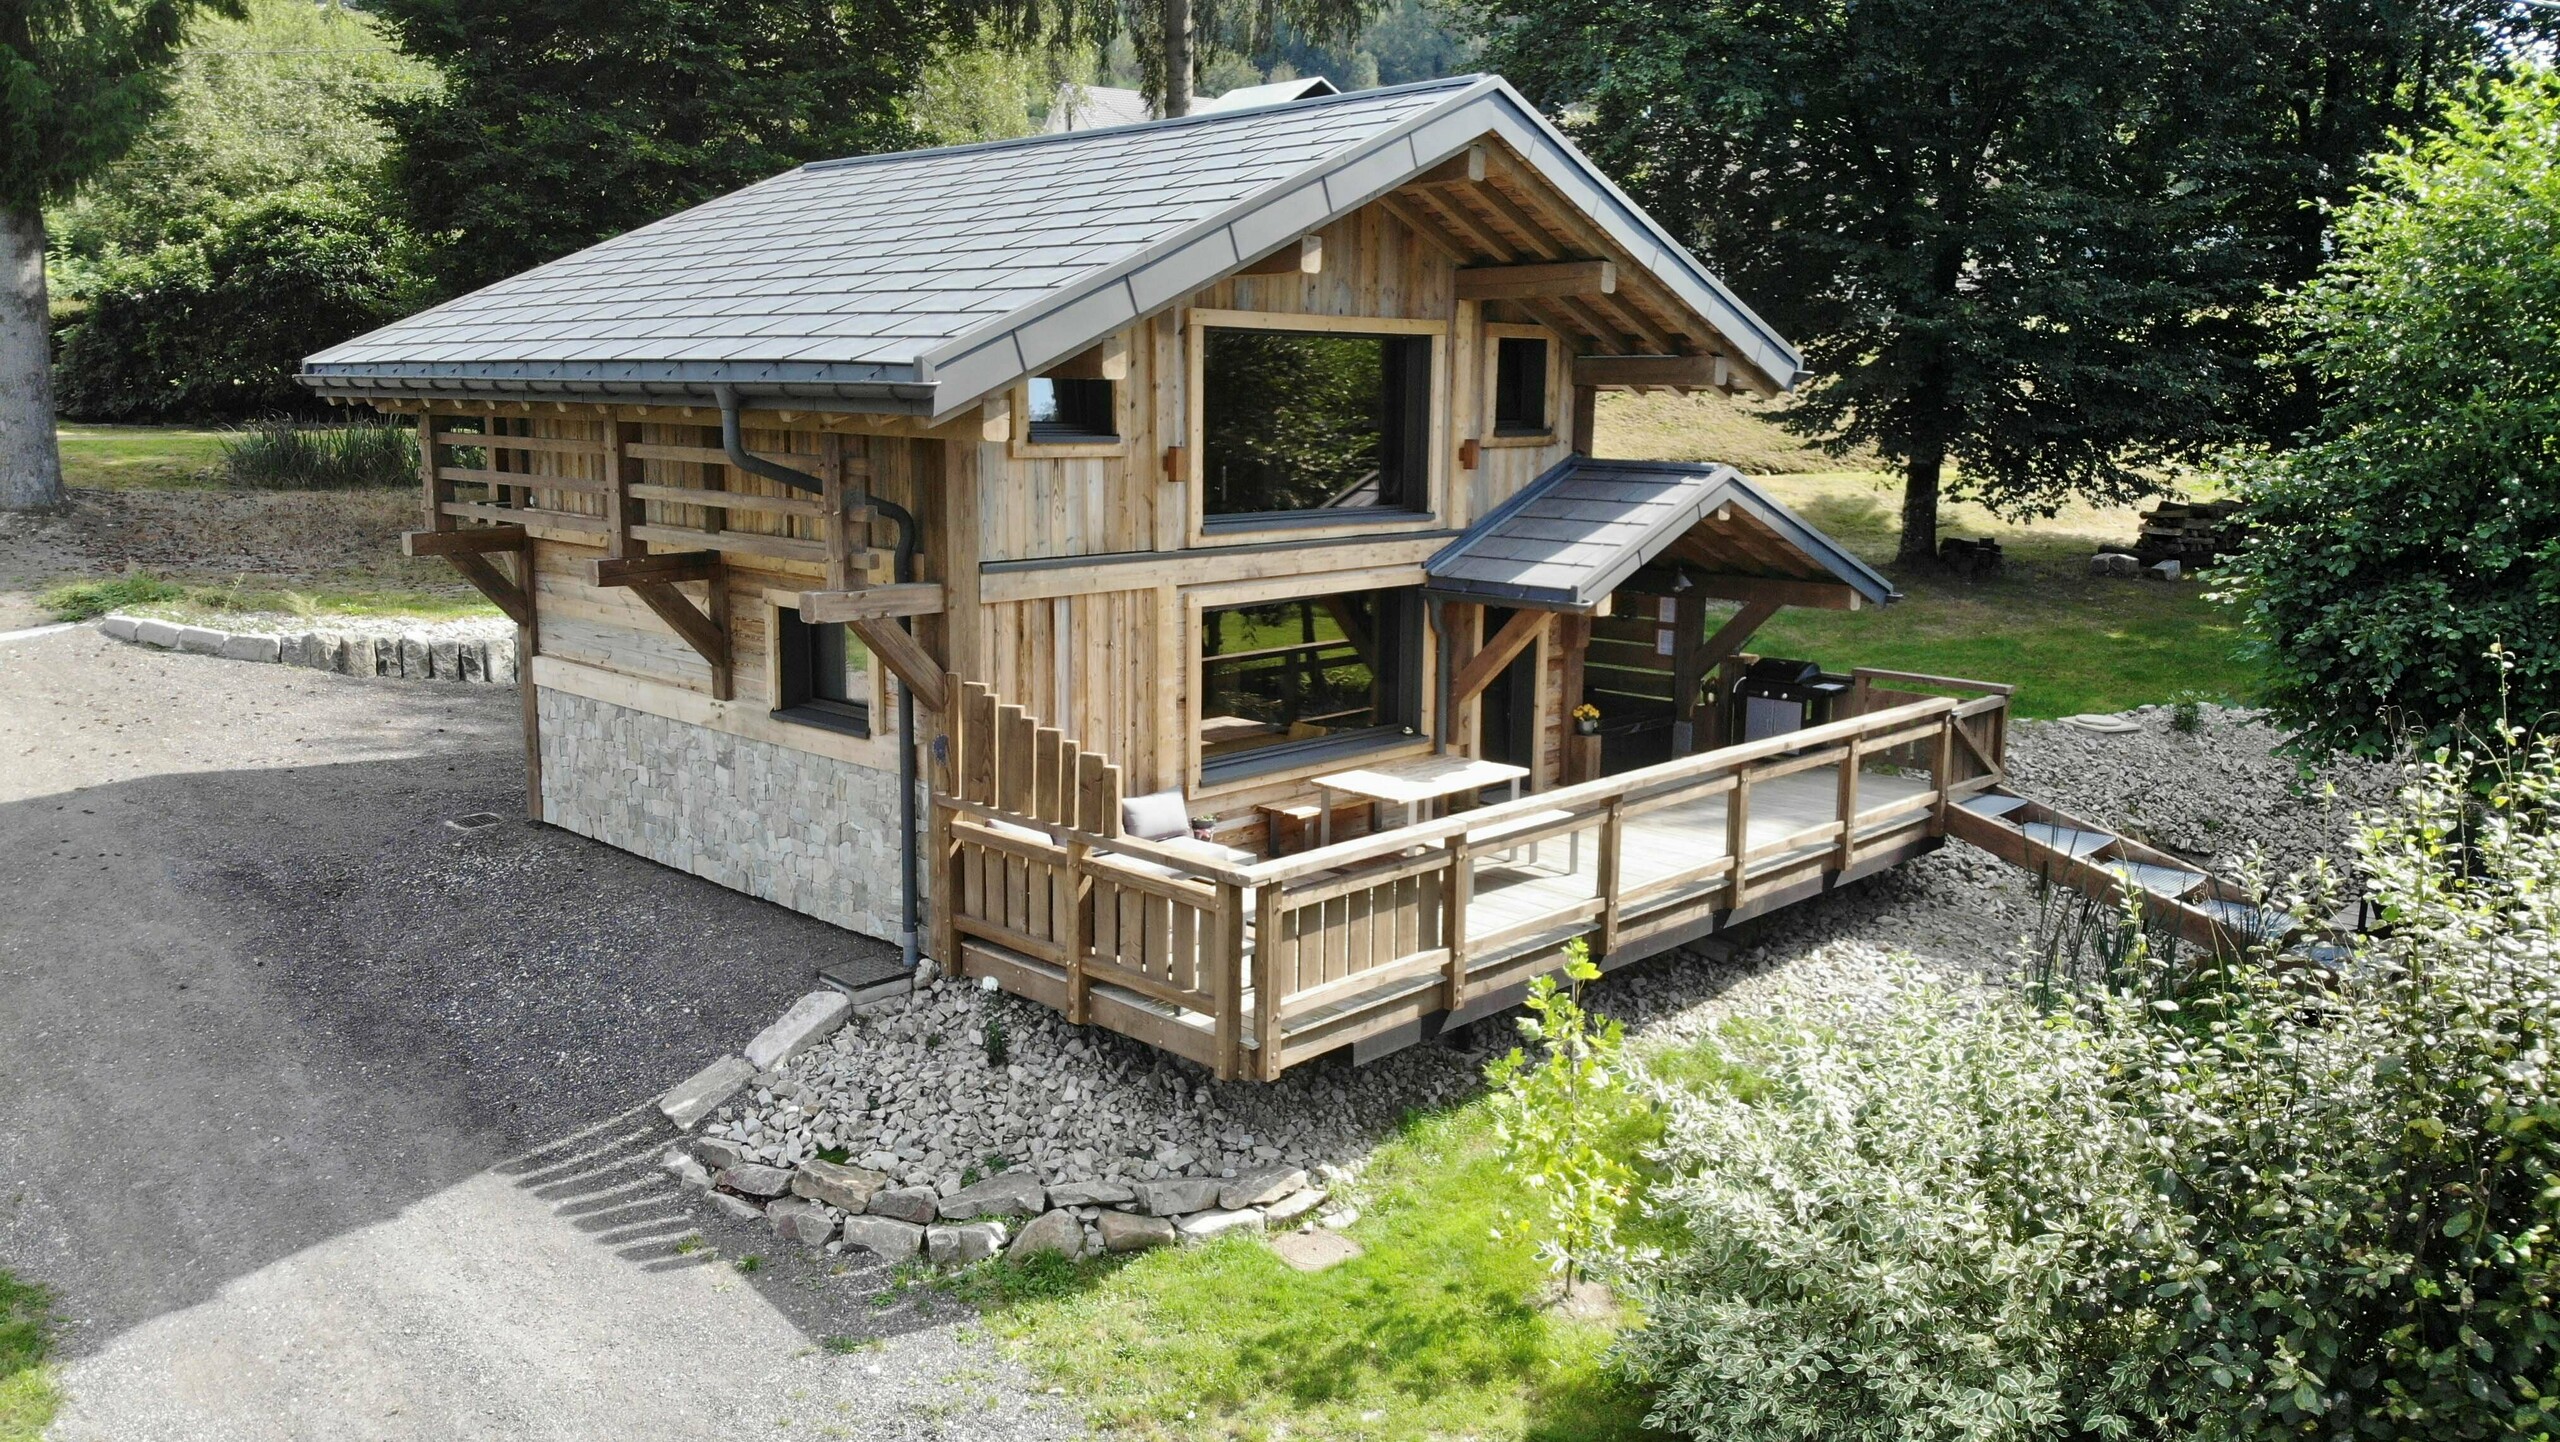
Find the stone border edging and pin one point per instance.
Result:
(409, 655)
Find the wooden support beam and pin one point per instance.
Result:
(1693, 372)
(1305, 257)
(1467, 167)
(1503, 648)
(1586, 418)
(473, 541)
(869, 603)
(899, 652)
(1522, 282)
(1735, 633)
(845, 502)
(1433, 231)
(663, 568)
(1105, 360)
(1780, 591)
(702, 632)
(503, 593)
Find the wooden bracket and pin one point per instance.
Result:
(1470, 454)
(660, 569)
(914, 669)
(866, 603)
(1306, 257)
(469, 549)
(1176, 467)
(702, 632)
(1505, 646)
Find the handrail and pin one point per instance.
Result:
(1923, 678)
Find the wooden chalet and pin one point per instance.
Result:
(1177, 549)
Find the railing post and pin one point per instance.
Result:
(1612, 842)
(1941, 772)
(1455, 893)
(1848, 806)
(1267, 991)
(1078, 932)
(1737, 839)
(439, 490)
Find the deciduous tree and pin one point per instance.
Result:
(79, 79)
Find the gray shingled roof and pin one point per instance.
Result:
(920, 281)
(1576, 533)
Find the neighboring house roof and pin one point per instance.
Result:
(1092, 107)
(918, 282)
(1576, 533)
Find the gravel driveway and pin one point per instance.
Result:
(324, 1119)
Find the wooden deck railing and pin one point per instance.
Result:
(1249, 969)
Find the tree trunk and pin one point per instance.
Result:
(30, 466)
(1920, 505)
(1177, 57)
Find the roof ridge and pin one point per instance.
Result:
(1176, 122)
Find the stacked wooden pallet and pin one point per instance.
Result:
(2191, 533)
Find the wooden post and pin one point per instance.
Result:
(439, 490)
(1612, 848)
(1688, 668)
(1848, 807)
(1267, 991)
(1454, 896)
(1586, 418)
(1737, 838)
(528, 633)
(621, 472)
(1942, 766)
(947, 886)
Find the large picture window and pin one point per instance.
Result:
(824, 675)
(1282, 680)
(1310, 424)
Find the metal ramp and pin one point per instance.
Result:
(2201, 908)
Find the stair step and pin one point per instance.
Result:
(2257, 923)
(1989, 804)
(2070, 841)
(2169, 881)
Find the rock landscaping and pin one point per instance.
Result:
(467, 650)
(903, 1132)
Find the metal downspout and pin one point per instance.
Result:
(904, 570)
(1445, 650)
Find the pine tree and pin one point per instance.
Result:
(79, 80)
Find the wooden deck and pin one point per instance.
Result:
(1394, 932)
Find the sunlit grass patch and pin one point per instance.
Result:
(27, 1395)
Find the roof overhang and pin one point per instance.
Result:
(1577, 533)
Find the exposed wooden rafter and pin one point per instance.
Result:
(1521, 282)
(1303, 257)
(868, 603)
(914, 669)
(1675, 371)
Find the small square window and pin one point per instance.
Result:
(825, 674)
(1073, 412)
(1520, 387)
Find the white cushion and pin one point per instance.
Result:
(1157, 816)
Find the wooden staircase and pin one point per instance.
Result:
(2199, 907)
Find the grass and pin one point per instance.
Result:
(162, 458)
(287, 455)
(154, 596)
(1434, 1332)
(2068, 642)
(27, 1396)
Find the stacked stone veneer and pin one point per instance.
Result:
(809, 832)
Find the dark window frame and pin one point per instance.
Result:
(1410, 400)
(1402, 646)
(798, 649)
(1087, 412)
(1515, 389)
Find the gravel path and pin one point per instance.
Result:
(318, 1114)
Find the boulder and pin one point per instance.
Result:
(1091, 1194)
(839, 1186)
(2114, 563)
(685, 1169)
(1293, 1206)
(1015, 1194)
(917, 1205)
(755, 1179)
(1179, 1195)
(250, 648)
(1258, 1189)
(2163, 571)
(1201, 1226)
(811, 1020)
(704, 1092)
(737, 1207)
(796, 1219)
(884, 1236)
(1129, 1232)
(718, 1153)
(969, 1242)
(1057, 1231)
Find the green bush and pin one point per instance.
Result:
(2297, 1201)
(2419, 520)
(290, 455)
(214, 326)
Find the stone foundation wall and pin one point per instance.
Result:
(808, 832)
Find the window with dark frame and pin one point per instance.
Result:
(1300, 425)
(1284, 681)
(1072, 412)
(1520, 387)
(825, 674)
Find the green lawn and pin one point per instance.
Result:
(1435, 1332)
(148, 595)
(146, 457)
(27, 1395)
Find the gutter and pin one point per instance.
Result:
(734, 443)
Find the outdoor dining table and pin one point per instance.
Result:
(1417, 784)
